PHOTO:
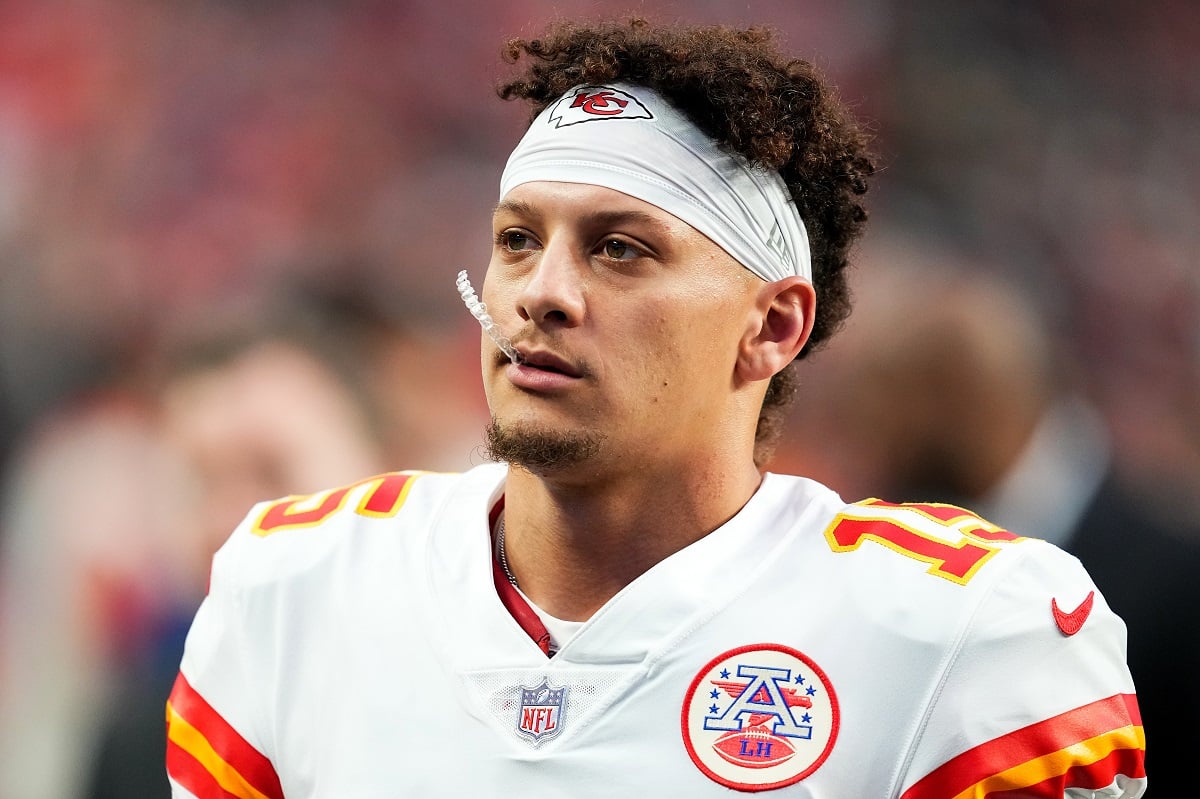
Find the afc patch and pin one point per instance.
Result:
(760, 717)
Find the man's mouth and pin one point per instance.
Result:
(549, 362)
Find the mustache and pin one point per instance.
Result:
(542, 353)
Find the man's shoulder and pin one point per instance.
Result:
(948, 541)
(934, 570)
(942, 547)
(330, 510)
(383, 515)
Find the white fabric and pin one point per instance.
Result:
(630, 139)
(561, 630)
(367, 655)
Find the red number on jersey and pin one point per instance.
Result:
(384, 498)
(953, 541)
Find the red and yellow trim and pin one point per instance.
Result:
(209, 757)
(1087, 747)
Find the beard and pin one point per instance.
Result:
(538, 450)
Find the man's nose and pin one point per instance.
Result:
(554, 292)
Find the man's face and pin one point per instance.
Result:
(629, 321)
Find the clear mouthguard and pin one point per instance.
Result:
(480, 312)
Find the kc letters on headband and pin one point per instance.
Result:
(630, 139)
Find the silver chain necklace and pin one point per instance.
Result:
(503, 556)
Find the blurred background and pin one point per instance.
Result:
(228, 239)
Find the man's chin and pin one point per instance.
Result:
(538, 449)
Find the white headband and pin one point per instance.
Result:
(649, 150)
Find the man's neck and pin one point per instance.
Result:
(574, 547)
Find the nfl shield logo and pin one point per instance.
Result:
(541, 712)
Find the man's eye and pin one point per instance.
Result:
(619, 250)
(514, 240)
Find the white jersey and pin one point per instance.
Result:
(356, 644)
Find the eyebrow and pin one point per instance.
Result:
(597, 217)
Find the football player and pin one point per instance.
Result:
(626, 601)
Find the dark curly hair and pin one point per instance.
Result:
(734, 84)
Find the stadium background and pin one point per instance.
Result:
(170, 172)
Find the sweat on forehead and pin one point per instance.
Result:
(628, 138)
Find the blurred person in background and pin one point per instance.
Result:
(328, 380)
(414, 374)
(115, 505)
(949, 385)
(252, 401)
(92, 567)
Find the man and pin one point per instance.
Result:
(626, 602)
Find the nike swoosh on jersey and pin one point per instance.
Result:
(1070, 623)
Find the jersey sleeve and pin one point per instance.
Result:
(215, 744)
(1037, 701)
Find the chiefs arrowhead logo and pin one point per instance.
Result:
(1070, 623)
(591, 103)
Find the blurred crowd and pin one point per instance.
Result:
(228, 240)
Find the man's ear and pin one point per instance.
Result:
(781, 323)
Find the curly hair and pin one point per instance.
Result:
(734, 84)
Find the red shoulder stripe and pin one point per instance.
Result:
(218, 748)
(1109, 729)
